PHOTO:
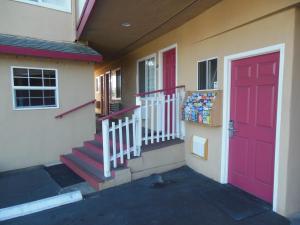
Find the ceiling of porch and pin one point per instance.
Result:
(149, 19)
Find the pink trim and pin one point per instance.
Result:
(74, 109)
(87, 9)
(123, 111)
(7, 49)
(157, 91)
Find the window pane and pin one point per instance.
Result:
(202, 75)
(36, 101)
(49, 73)
(142, 76)
(36, 93)
(20, 82)
(35, 73)
(22, 102)
(49, 82)
(212, 73)
(49, 93)
(20, 72)
(49, 102)
(22, 93)
(150, 74)
(118, 83)
(36, 82)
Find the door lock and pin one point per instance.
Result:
(231, 128)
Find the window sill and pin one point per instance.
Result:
(34, 108)
(44, 5)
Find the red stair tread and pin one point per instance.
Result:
(91, 179)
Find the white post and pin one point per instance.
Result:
(158, 120)
(120, 124)
(163, 116)
(106, 152)
(173, 115)
(177, 115)
(168, 116)
(146, 121)
(152, 120)
(127, 137)
(134, 136)
(138, 113)
(113, 127)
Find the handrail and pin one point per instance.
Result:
(75, 109)
(157, 91)
(118, 113)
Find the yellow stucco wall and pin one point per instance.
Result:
(29, 20)
(230, 27)
(293, 175)
(33, 137)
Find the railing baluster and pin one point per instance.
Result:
(163, 116)
(146, 121)
(158, 120)
(134, 135)
(121, 141)
(177, 115)
(173, 116)
(106, 152)
(127, 137)
(113, 126)
(168, 117)
(152, 120)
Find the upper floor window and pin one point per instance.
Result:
(34, 88)
(116, 84)
(207, 74)
(62, 5)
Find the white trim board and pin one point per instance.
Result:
(226, 112)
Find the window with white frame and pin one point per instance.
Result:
(62, 5)
(207, 74)
(116, 84)
(97, 84)
(34, 88)
(147, 74)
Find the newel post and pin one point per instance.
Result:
(106, 152)
(138, 117)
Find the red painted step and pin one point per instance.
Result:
(84, 156)
(91, 179)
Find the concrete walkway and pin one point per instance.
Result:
(186, 198)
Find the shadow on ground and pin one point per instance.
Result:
(186, 199)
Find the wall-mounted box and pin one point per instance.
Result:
(203, 107)
(200, 147)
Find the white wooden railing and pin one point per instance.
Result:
(155, 118)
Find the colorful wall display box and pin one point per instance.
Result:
(203, 107)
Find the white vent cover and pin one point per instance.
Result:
(200, 146)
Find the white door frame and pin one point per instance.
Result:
(160, 63)
(226, 112)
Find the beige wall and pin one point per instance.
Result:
(229, 27)
(32, 137)
(293, 175)
(24, 19)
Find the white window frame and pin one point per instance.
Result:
(111, 74)
(97, 84)
(48, 5)
(206, 60)
(137, 71)
(13, 88)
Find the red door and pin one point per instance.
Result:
(169, 79)
(254, 84)
(169, 70)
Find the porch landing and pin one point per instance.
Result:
(184, 200)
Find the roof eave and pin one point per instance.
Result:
(7, 49)
(87, 9)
